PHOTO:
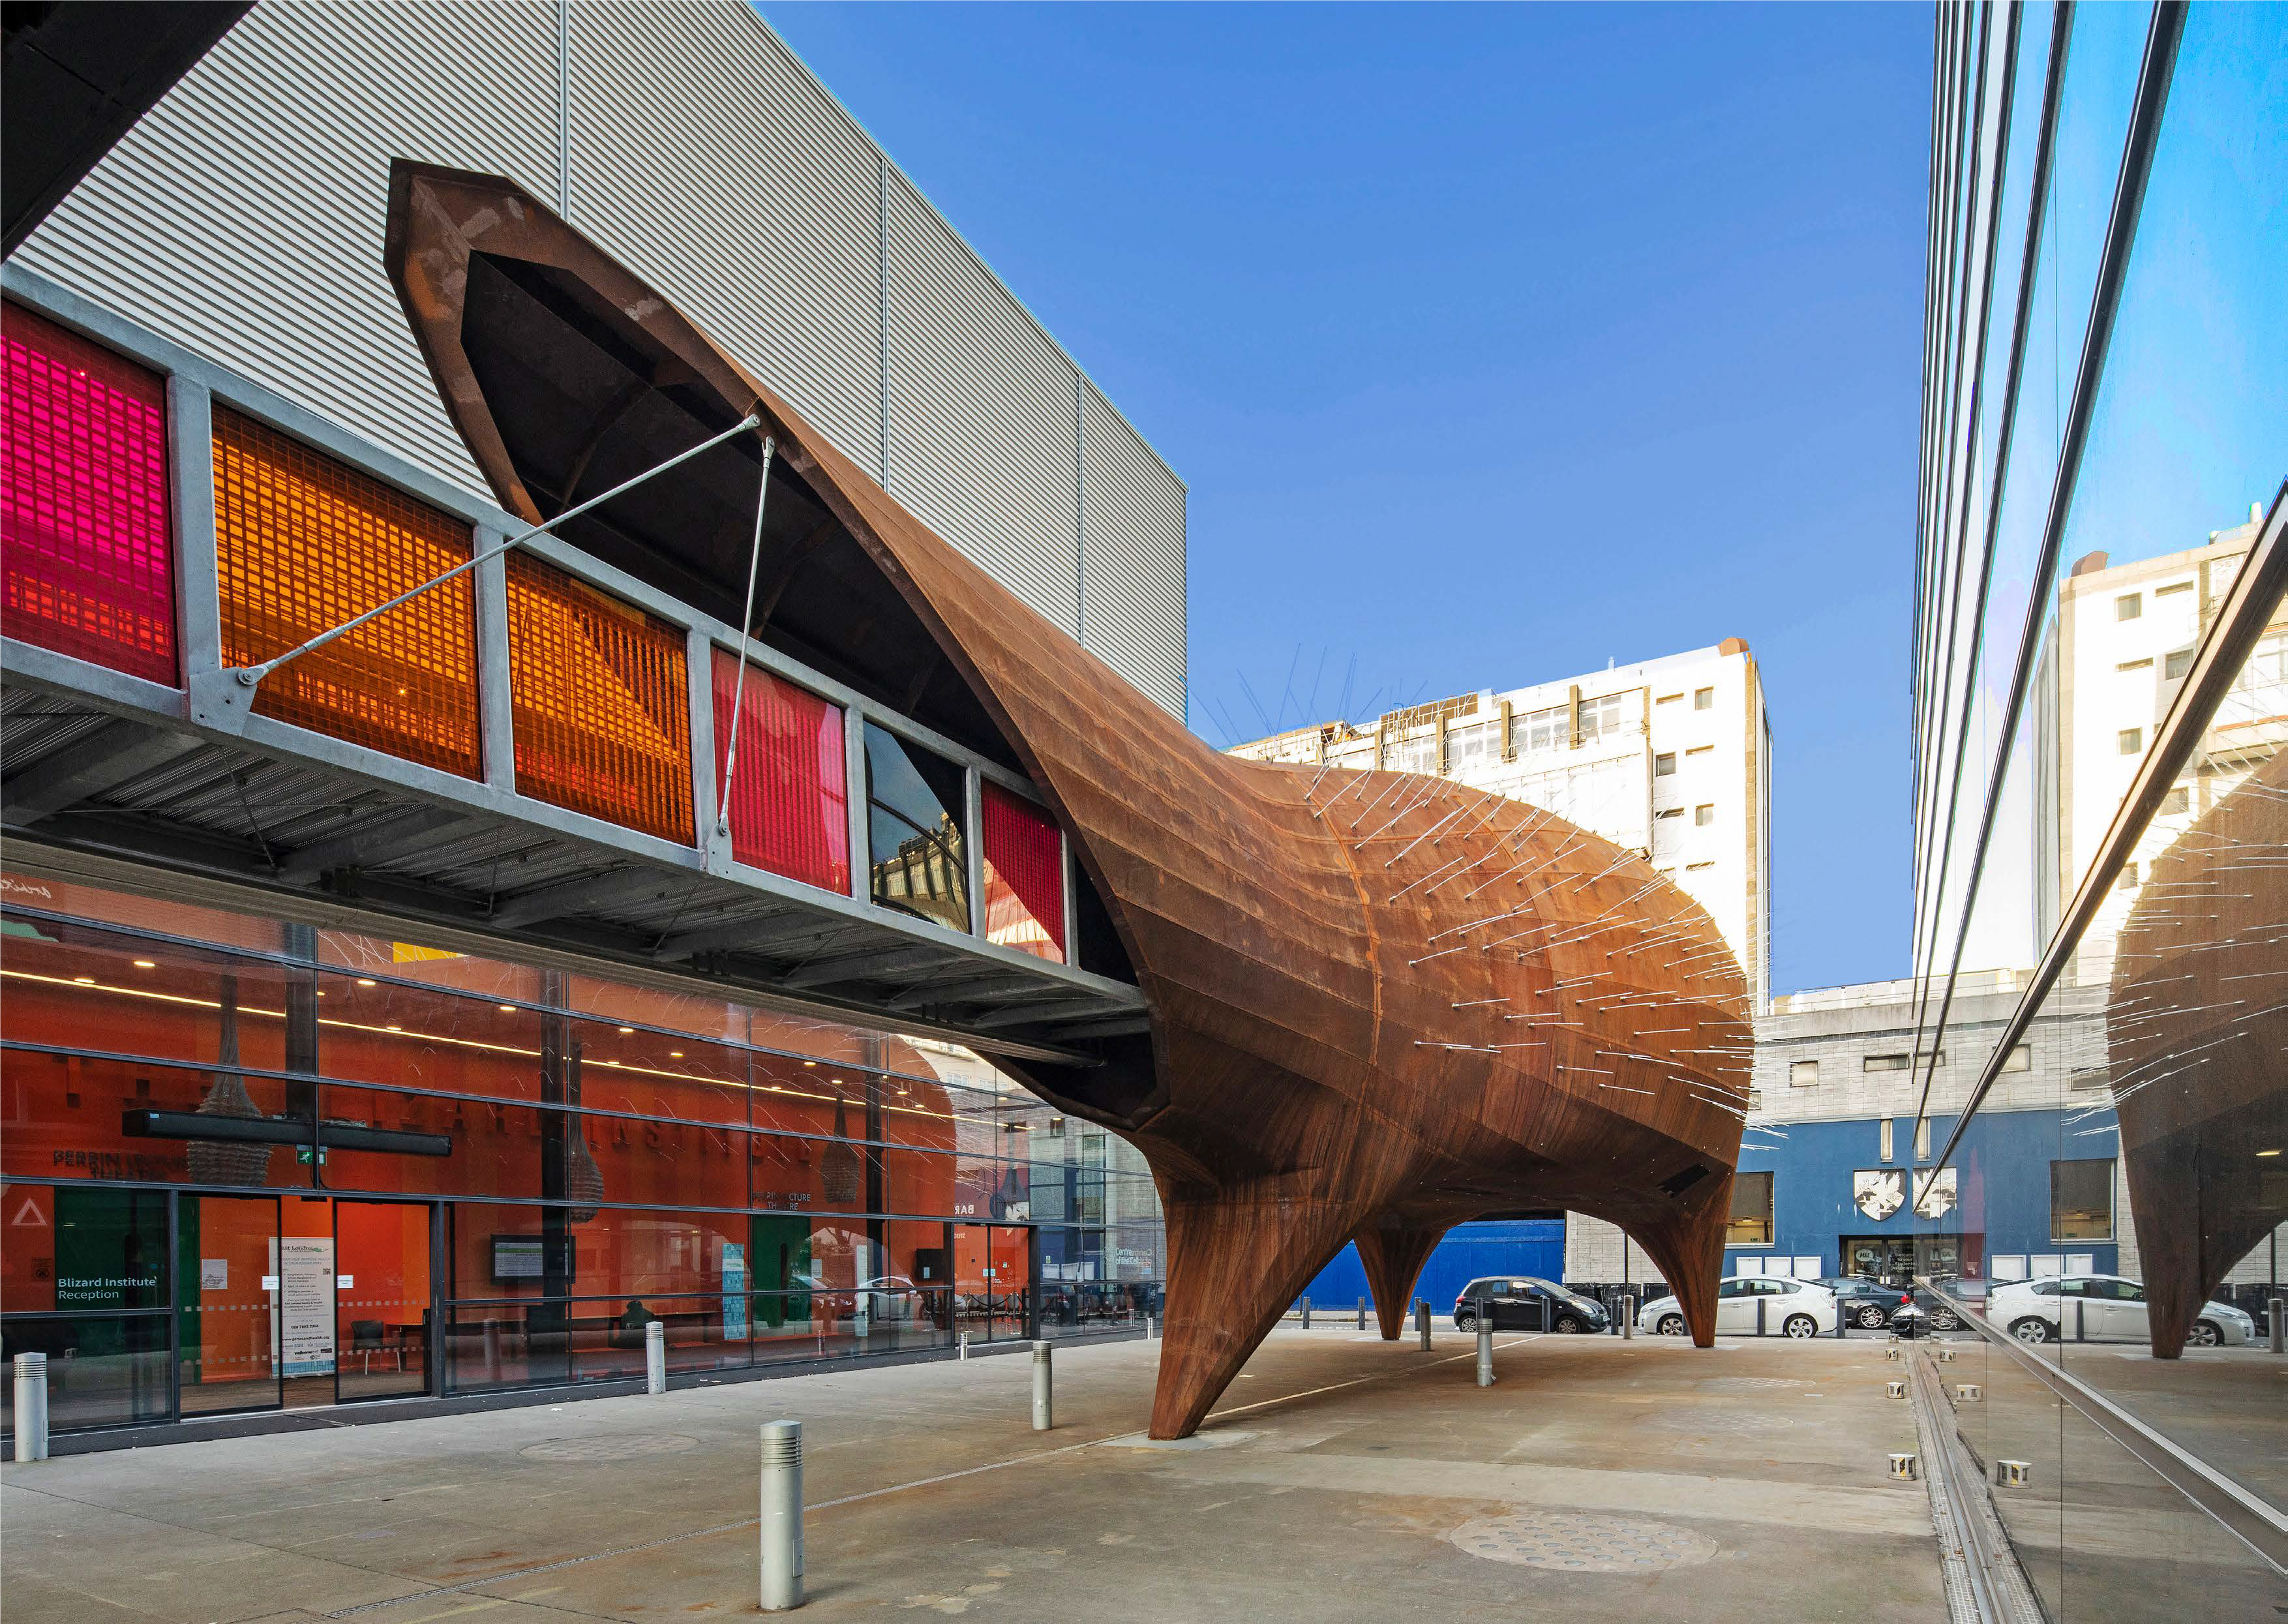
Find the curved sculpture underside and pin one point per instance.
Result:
(2197, 1035)
(1381, 1004)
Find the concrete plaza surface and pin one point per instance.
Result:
(1342, 1477)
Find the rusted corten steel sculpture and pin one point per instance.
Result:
(1381, 1004)
(2197, 1032)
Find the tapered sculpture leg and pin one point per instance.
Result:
(1689, 1249)
(2169, 1241)
(1393, 1259)
(1237, 1258)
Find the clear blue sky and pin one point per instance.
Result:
(1493, 344)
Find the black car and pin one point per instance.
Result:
(1865, 1302)
(1870, 1304)
(1513, 1302)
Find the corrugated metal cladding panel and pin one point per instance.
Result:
(705, 156)
(175, 229)
(1133, 569)
(982, 443)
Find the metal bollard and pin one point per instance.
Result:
(1306, 1313)
(961, 1345)
(2279, 1318)
(655, 1357)
(1903, 1465)
(1362, 1314)
(1841, 1320)
(1044, 1417)
(1485, 1351)
(782, 1523)
(1151, 1327)
(1422, 1321)
(1628, 1317)
(31, 1406)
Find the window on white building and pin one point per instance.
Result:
(1702, 817)
(2128, 881)
(2018, 1059)
(1703, 698)
(2176, 664)
(1885, 1062)
(2144, 664)
(1803, 1074)
(2129, 606)
(2130, 741)
(1668, 812)
(1663, 764)
(2179, 799)
(1922, 1140)
(1883, 1138)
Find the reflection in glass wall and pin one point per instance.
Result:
(2101, 1088)
(915, 830)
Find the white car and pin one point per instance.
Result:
(1791, 1307)
(2101, 1308)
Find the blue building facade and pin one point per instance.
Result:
(1531, 1246)
(2004, 1229)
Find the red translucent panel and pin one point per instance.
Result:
(302, 544)
(1024, 876)
(86, 561)
(789, 793)
(603, 718)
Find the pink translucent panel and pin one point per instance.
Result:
(86, 563)
(1024, 876)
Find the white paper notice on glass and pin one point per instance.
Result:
(214, 1274)
(306, 1311)
(345, 1282)
(270, 1282)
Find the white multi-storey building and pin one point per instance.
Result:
(1671, 757)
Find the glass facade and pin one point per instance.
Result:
(246, 1163)
(2102, 793)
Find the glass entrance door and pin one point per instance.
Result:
(381, 1299)
(993, 1280)
(227, 1301)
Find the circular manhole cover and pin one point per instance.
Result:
(1747, 1384)
(1582, 1542)
(632, 1446)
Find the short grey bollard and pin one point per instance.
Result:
(655, 1357)
(1422, 1322)
(1628, 1317)
(1306, 1313)
(31, 1406)
(1485, 1352)
(2280, 1325)
(1362, 1314)
(1044, 1416)
(961, 1345)
(781, 1522)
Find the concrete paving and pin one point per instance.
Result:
(1342, 1478)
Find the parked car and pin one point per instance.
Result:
(1864, 1302)
(1519, 1302)
(1791, 1307)
(2110, 1307)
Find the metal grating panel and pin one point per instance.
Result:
(89, 564)
(982, 441)
(302, 544)
(1133, 561)
(603, 724)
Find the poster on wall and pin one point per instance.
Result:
(1878, 1192)
(735, 1292)
(1936, 1193)
(306, 1305)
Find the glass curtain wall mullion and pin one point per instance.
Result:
(1934, 881)
(2120, 230)
(2152, 96)
(1953, 536)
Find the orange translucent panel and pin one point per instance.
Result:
(302, 544)
(603, 717)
